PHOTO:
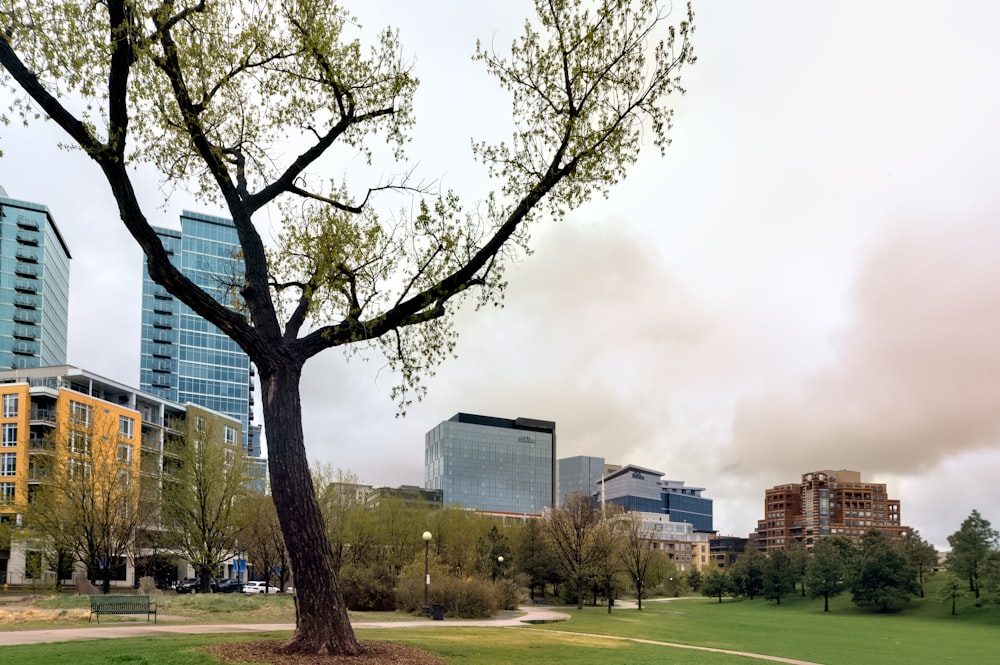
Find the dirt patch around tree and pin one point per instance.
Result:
(269, 652)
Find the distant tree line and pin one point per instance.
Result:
(880, 574)
(207, 513)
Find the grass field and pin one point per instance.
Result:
(798, 628)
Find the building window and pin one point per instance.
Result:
(9, 435)
(10, 406)
(79, 413)
(126, 427)
(230, 433)
(6, 493)
(79, 443)
(125, 453)
(8, 464)
(78, 469)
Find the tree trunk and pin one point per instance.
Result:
(322, 625)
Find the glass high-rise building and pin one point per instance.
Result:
(34, 286)
(578, 474)
(184, 358)
(492, 464)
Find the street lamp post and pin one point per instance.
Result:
(427, 573)
(500, 565)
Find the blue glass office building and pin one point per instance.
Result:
(644, 490)
(34, 286)
(184, 358)
(492, 464)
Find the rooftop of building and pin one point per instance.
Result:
(530, 424)
(630, 469)
(36, 207)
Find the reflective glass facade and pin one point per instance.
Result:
(492, 464)
(644, 490)
(34, 286)
(578, 474)
(184, 358)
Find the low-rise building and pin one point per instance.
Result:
(686, 547)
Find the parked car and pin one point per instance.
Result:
(259, 587)
(227, 586)
(188, 585)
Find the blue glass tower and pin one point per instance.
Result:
(492, 464)
(34, 286)
(644, 490)
(184, 358)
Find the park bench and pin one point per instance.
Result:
(121, 605)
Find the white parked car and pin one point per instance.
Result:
(259, 587)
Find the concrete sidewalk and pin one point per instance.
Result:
(137, 629)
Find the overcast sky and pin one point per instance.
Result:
(808, 280)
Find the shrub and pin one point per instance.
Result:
(368, 589)
(466, 598)
(508, 593)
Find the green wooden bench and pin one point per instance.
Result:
(121, 605)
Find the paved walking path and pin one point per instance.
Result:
(141, 629)
(522, 619)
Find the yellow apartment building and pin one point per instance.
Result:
(64, 422)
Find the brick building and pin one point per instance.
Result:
(827, 503)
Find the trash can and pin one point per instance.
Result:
(438, 612)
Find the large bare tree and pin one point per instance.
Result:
(213, 92)
(572, 533)
(638, 555)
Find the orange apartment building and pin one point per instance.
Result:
(827, 503)
(66, 420)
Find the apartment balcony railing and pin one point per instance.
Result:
(39, 415)
(41, 444)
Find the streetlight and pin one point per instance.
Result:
(500, 565)
(427, 573)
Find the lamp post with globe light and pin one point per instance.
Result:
(427, 573)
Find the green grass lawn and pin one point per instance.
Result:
(798, 628)
(923, 633)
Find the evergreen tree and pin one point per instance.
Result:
(827, 569)
(748, 573)
(970, 547)
(951, 591)
(779, 575)
(716, 583)
(921, 555)
(883, 580)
